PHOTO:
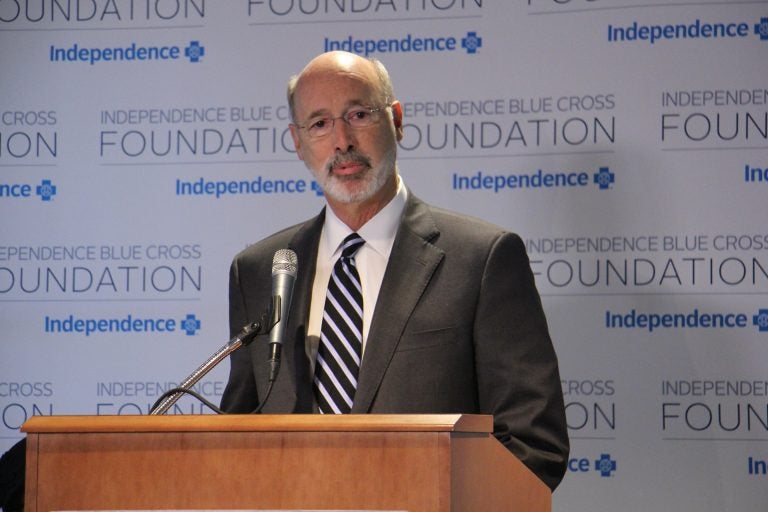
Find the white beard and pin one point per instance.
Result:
(366, 184)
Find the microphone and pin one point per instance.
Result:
(283, 276)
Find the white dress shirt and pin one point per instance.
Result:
(371, 261)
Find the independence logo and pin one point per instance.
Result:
(540, 179)
(45, 190)
(605, 465)
(128, 324)
(193, 52)
(695, 319)
(471, 44)
(258, 186)
(694, 30)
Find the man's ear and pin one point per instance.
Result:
(296, 142)
(397, 119)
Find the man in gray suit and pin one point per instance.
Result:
(451, 319)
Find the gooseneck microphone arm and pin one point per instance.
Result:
(244, 338)
(283, 276)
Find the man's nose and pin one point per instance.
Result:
(343, 134)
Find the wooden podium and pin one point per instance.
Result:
(415, 463)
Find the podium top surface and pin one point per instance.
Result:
(470, 423)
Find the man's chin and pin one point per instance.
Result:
(349, 192)
(354, 188)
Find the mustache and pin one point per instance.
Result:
(343, 158)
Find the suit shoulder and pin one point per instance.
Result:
(453, 223)
(266, 247)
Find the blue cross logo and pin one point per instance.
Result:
(604, 178)
(472, 42)
(46, 190)
(605, 465)
(190, 324)
(761, 29)
(316, 188)
(761, 320)
(194, 52)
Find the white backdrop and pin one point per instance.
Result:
(625, 141)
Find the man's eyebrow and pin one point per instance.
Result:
(324, 112)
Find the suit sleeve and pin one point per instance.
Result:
(517, 371)
(240, 396)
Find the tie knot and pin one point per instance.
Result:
(350, 245)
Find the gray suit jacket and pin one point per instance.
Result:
(458, 328)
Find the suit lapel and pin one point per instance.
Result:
(411, 265)
(304, 243)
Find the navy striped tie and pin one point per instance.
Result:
(341, 335)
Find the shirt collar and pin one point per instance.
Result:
(379, 232)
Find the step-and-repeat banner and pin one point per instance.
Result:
(144, 142)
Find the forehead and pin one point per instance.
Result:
(333, 91)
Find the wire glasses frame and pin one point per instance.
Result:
(356, 118)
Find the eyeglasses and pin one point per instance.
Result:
(356, 118)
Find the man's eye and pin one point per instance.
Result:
(358, 115)
(319, 124)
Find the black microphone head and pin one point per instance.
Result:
(284, 262)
